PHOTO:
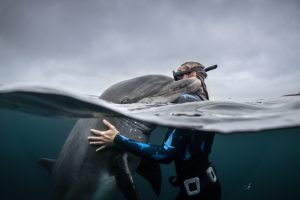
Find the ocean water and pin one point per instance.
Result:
(257, 157)
(261, 165)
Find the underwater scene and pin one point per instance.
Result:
(259, 165)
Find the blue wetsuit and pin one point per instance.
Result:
(189, 149)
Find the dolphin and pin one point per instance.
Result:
(81, 173)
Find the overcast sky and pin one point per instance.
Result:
(88, 45)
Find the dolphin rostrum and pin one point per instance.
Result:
(81, 173)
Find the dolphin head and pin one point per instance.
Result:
(150, 89)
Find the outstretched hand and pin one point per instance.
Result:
(103, 138)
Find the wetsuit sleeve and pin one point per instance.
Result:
(163, 154)
(173, 145)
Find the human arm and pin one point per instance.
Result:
(161, 153)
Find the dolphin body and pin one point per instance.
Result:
(81, 173)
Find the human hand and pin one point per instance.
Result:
(103, 138)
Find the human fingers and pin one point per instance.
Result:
(96, 132)
(100, 148)
(97, 142)
(94, 138)
(109, 125)
(100, 139)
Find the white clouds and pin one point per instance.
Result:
(90, 45)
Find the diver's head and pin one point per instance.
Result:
(190, 69)
(193, 69)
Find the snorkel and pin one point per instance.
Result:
(210, 68)
(179, 74)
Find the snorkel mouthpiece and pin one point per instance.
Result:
(179, 74)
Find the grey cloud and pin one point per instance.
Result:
(98, 40)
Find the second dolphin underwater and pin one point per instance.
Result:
(81, 173)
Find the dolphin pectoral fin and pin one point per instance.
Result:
(47, 163)
(150, 170)
(124, 178)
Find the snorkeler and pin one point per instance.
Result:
(189, 149)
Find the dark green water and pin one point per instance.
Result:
(252, 166)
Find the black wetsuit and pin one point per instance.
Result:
(189, 149)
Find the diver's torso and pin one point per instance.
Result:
(193, 152)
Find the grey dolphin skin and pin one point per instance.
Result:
(81, 173)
